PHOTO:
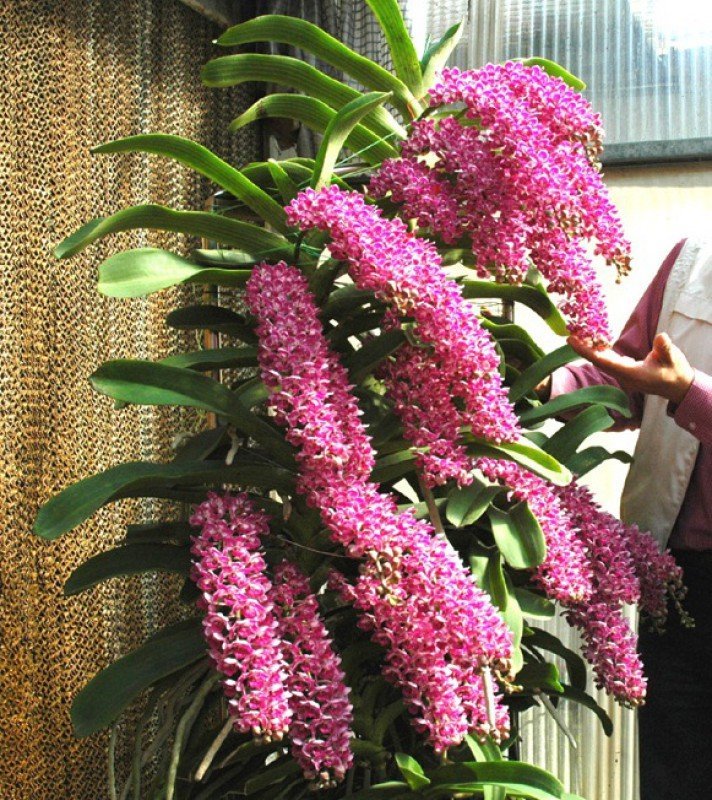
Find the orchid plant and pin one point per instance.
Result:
(376, 519)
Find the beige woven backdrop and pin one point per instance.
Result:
(75, 73)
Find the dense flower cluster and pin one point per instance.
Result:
(565, 573)
(320, 728)
(407, 272)
(628, 563)
(240, 624)
(417, 599)
(516, 176)
(610, 645)
(281, 673)
(431, 420)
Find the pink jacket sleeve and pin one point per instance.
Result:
(694, 413)
(636, 341)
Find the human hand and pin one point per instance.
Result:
(665, 371)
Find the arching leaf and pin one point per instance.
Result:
(257, 241)
(130, 559)
(337, 132)
(307, 36)
(135, 273)
(79, 501)
(205, 162)
(608, 396)
(405, 59)
(296, 74)
(151, 383)
(316, 115)
(103, 699)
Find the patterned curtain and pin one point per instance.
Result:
(74, 73)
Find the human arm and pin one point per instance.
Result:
(664, 371)
(635, 342)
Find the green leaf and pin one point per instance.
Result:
(506, 331)
(205, 162)
(390, 790)
(412, 771)
(296, 74)
(254, 240)
(317, 115)
(577, 696)
(287, 188)
(152, 532)
(386, 718)
(518, 536)
(539, 675)
(136, 273)
(151, 383)
(79, 501)
(212, 318)
(405, 59)
(534, 605)
(522, 780)
(436, 57)
(575, 666)
(607, 396)
(393, 466)
(585, 460)
(338, 131)
(564, 443)
(536, 373)
(364, 360)
(525, 453)
(270, 775)
(104, 698)
(467, 504)
(556, 70)
(483, 751)
(210, 359)
(533, 297)
(493, 581)
(129, 559)
(306, 36)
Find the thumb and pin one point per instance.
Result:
(663, 349)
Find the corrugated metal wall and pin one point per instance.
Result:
(647, 63)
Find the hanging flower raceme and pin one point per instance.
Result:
(417, 599)
(628, 564)
(407, 272)
(320, 726)
(565, 573)
(423, 399)
(518, 177)
(611, 647)
(240, 625)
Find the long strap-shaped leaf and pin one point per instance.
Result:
(405, 59)
(103, 699)
(436, 57)
(135, 273)
(81, 500)
(205, 162)
(151, 383)
(130, 559)
(288, 71)
(219, 358)
(307, 36)
(535, 298)
(608, 396)
(251, 238)
(317, 116)
(337, 132)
